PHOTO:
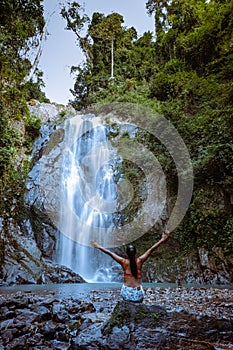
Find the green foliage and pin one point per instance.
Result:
(208, 222)
(32, 129)
(115, 57)
(22, 25)
(227, 234)
(134, 175)
(7, 147)
(33, 89)
(21, 29)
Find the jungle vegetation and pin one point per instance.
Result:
(21, 31)
(22, 27)
(183, 70)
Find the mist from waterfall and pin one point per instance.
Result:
(89, 197)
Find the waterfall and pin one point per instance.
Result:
(88, 197)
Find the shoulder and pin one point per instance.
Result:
(139, 262)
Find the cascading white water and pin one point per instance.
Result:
(89, 197)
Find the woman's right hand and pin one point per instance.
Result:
(165, 235)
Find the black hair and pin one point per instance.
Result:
(131, 252)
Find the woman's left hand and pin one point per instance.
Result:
(94, 244)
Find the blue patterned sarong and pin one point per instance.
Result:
(132, 294)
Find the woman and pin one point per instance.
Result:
(131, 289)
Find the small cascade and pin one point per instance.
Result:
(89, 198)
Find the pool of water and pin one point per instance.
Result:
(82, 289)
(61, 290)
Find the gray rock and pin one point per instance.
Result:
(129, 326)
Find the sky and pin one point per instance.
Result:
(60, 49)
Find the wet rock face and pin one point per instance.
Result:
(45, 271)
(27, 247)
(55, 273)
(49, 111)
(103, 321)
(199, 266)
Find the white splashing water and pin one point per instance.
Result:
(89, 198)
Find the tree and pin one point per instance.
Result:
(159, 10)
(196, 32)
(194, 83)
(104, 31)
(115, 57)
(76, 22)
(22, 26)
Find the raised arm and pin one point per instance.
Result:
(146, 255)
(116, 257)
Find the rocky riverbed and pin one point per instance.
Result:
(169, 318)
